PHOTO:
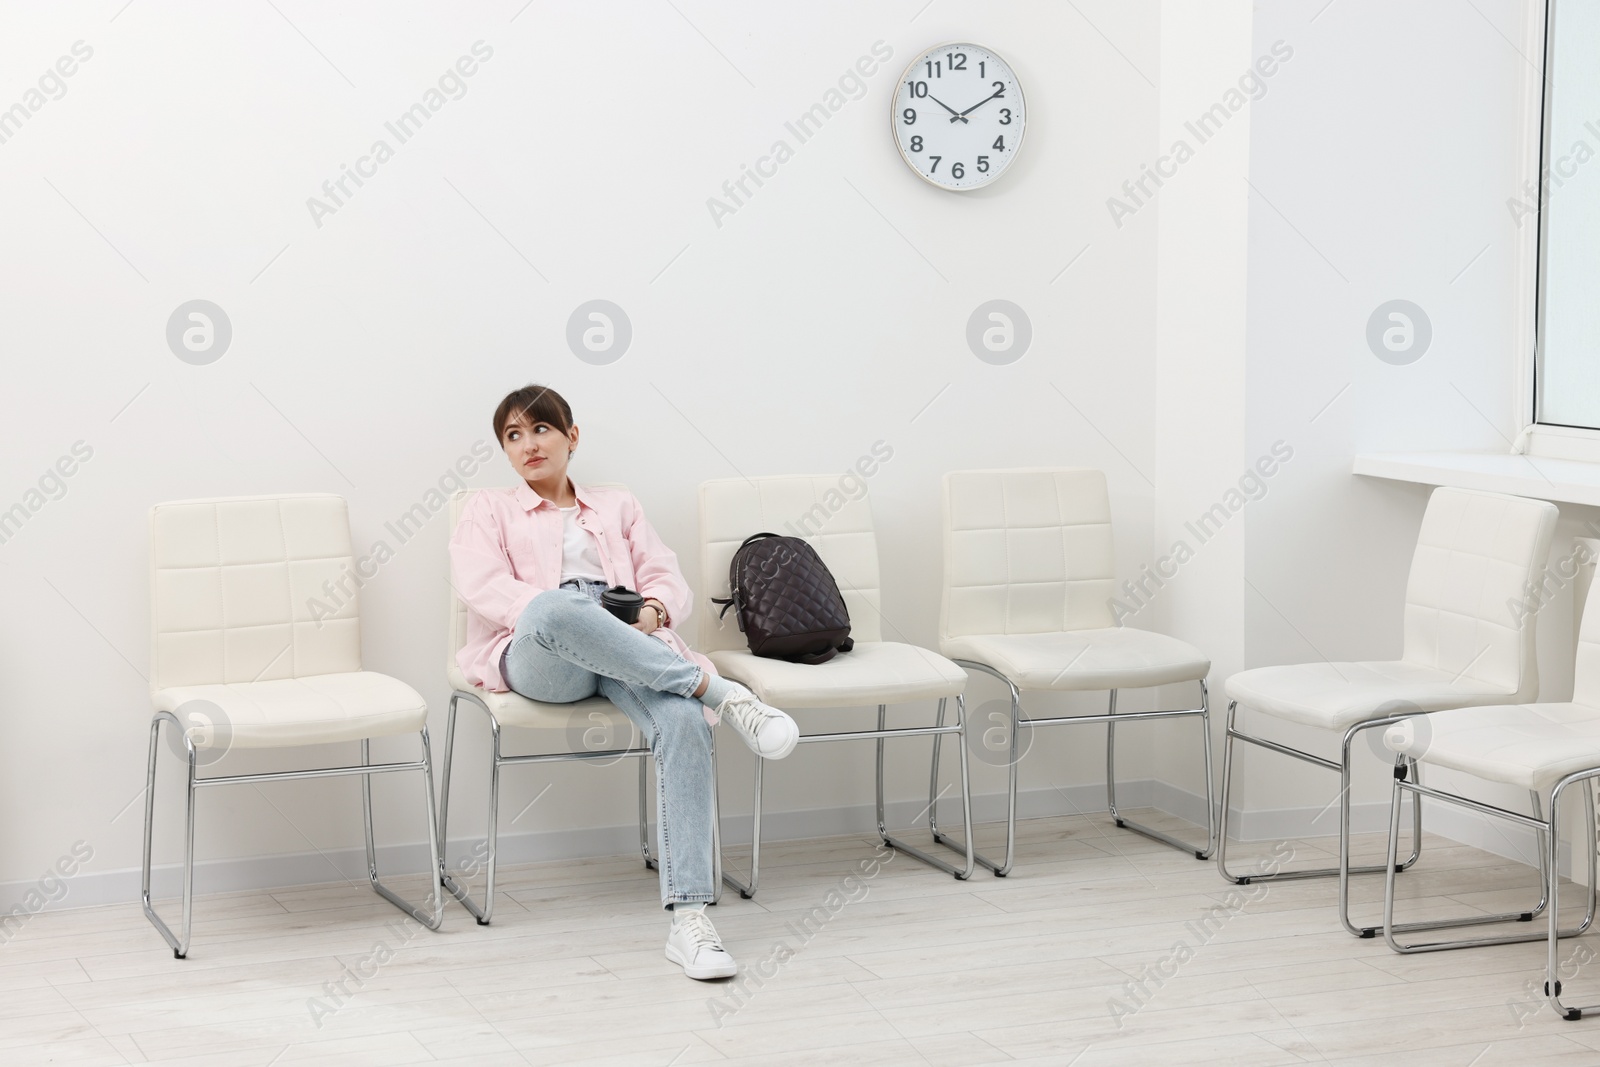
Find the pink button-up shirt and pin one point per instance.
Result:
(507, 549)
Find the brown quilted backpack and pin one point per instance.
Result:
(788, 605)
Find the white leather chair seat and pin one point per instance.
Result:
(1336, 696)
(1529, 745)
(873, 672)
(312, 710)
(514, 709)
(1118, 657)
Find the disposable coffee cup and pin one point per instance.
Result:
(622, 602)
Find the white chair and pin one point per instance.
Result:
(592, 723)
(1029, 576)
(1544, 748)
(875, 671)
(1464, 647)
(244, 627)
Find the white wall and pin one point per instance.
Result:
(1200, 381)
(828, 312)
(1381, 166)
(368, 352)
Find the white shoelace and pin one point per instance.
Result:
(697, 927)
(747, 712)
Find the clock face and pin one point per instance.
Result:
(958, 116)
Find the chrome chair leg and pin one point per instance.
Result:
(880, 735)
(1111, 759)
(1342, 767)
(898, 845)
(447, 877)
(444, 787)
(1157, 835)
(1545, 858)
(492, 840)
(748, 890)
(1211, 796)
(430, 919)
(966, 787)
(1013, 773)
(365, 769)
(366, 813)
(644, 815)
(940, 837)
(933, 778)
(883, 831)
(1003, 869)
(178, 943)
(1552, 983)
(716, 827)
(1546, 879)
(484, 913)
(453, 881)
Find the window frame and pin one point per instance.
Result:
(1554, 440)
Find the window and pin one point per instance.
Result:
(1567, 358)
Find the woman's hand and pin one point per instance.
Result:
(649, 618)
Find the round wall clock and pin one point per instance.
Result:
(958, 116)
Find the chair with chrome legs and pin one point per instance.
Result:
(875, 671)
(1029, 577)
(1546, 749)
(256, 643)
(1464, 646)
(590, 727)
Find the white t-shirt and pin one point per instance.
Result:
(580, 558)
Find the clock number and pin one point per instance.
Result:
(966, 168)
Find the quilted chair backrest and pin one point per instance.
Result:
(457, 629)
(1475, 554)
(246, 589)
(1026, 551)
(814, 508)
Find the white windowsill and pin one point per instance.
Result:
(1564, 481)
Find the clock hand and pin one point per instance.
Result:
(980, 103)
(956, 115)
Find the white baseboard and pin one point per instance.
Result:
(89, 887)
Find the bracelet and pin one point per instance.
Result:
(661, 612)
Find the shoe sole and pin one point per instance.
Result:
(701, 973)
(781, 753)
(790, 747)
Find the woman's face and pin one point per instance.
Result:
(538, 453)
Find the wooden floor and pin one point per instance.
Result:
(895, 964)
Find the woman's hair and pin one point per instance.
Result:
(536, 403)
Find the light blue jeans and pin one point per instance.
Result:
(567, 647)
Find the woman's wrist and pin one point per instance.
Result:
(660, 609)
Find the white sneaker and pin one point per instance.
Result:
(770, 733)
(693, 944)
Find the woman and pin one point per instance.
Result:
(531, 565)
